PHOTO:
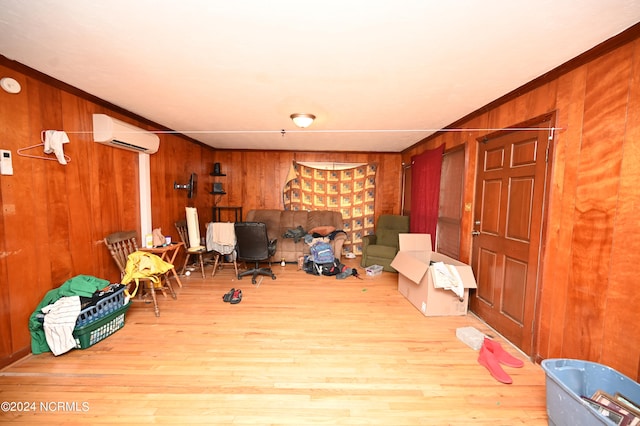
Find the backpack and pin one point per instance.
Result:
(313, 268)
(333, 268)
(310, 267)
(321, 252)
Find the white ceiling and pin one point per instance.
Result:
(380, 75)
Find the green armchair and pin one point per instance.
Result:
(382, 247)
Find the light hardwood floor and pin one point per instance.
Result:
(298, 350)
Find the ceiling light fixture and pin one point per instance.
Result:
(303, 120)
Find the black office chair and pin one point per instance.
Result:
(253, 245)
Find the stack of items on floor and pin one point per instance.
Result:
(321, 260)
(619, 408)
(78, 314)
(589, 393)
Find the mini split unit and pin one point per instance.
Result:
(110, 131)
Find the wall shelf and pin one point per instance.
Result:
(217, 186)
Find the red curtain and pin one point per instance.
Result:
(425, 192)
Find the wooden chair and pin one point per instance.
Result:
(221, 237)
(121, 245)
(183, 232)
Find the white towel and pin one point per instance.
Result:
(221, 237)
(224, 233)
(59, 321)
(53, 140)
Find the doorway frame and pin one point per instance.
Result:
(551, 118)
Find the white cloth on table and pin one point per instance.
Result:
(221, 237)
(59, 321)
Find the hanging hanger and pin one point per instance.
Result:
(21, 151)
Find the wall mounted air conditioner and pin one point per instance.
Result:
(110, 131)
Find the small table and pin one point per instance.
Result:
(217, 213)
(164, 252)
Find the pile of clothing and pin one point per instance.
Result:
(52, 323)
(321, 260)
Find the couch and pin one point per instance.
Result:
(280, 221)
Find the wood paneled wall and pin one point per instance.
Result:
(588, 295)
(54, 217)
(255, 179)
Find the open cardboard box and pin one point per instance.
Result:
(415, 282)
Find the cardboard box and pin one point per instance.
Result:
(415, 282)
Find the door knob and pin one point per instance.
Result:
(475, 233)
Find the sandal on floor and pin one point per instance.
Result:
(237, 297)
(227, 297)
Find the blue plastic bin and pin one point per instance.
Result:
(569, 379)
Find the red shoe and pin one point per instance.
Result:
(489, 360)
(503, 356)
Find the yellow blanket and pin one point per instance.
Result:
(144, 265)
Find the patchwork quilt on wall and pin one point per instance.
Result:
(351, 191)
